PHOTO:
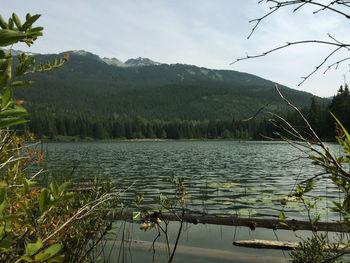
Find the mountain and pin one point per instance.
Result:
(113, 62)
(133, 62)
(142, 87)
(140, 62)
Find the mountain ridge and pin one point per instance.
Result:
(87, 83)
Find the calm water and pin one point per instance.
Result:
(222, 178)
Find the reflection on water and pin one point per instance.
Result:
(198, 243)
(202, 243)
(222, 178)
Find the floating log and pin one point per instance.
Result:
(253, 223)
(256, 243)
(210, 254)
(284, 245)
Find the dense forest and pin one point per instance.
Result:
(107, 99)
(154, 91)
(50, 122)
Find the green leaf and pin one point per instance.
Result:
(2, 193)
(315, 219)
(341, 125)
(282, 216)
(17, 84)
(283, 224)
(26, 209)
(57, 259)
(6, 243)
(346, 204)
(309, 186)
(3, 205)
(62, 187)
(337, 205)
(27, 258)
(6, 122)
(15, 112)
(299, 189)
(18, 23)
(36, 30)
(2, 233)
(54, 188)
(9, 37)
(44, 200)
(6, 98)
(11, 24)
(3, 24)
(25, 186)
(5, 69)
(53, 250)
(136, 216)
(32, 248)
(30, 21)
(342, 188)
(41, 257)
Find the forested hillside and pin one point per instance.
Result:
(105, 99)
(152, 90)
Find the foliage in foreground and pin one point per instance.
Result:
(316, 249)
(174, 204)
(336, 168)
(39, 224)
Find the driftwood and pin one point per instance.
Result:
(210, 254)
(253, 223)
(285, 245)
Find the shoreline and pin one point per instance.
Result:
(88, 139)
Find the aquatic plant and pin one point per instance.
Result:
(313, 250)
(334, 167)
(167, 204)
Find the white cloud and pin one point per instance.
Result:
(205, 33)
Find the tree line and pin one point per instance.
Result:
(49, 122)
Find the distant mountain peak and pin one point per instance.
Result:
(113, 62)
(140, 62)
(133, 62)
(81, 53)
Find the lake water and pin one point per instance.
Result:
(222, 177)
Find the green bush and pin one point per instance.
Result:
(39, 224)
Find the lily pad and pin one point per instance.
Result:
(224, 185)
(224, 203)
(247, 212)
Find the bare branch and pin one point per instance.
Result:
(336, 64)
(258, 20)
(288, 44)
(327, 154)
(320, 65)
(335, 6)
(256, 114)
(321, 6)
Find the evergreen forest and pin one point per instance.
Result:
(92, 98)
(52, 123)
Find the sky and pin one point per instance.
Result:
(205, 33)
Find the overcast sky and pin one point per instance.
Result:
(205, 33)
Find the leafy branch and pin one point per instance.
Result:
(11, 112)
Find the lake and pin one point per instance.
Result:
(222, 177)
